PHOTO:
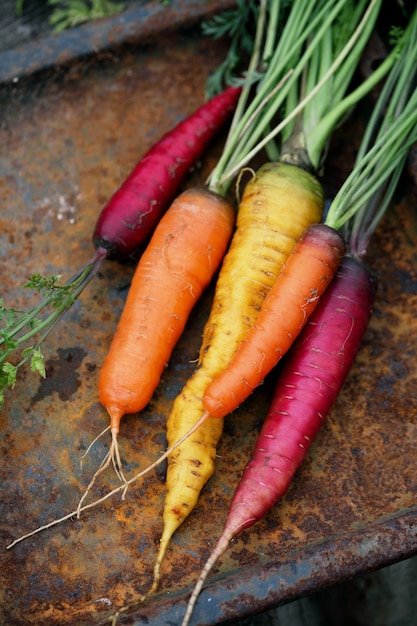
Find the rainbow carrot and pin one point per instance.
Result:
(318, 362)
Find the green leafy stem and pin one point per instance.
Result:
(26, 327)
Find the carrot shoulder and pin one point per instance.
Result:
(294, 296)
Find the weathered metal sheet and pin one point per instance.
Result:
(67, 140)
(137, 25)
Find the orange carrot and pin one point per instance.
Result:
(287, 307)
(178, 264)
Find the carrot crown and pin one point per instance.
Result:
(304, 80)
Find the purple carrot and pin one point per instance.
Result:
(132, 213)
(308, 385)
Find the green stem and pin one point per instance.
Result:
(301, 22)
(378, 164)
(392, 129)
(71, 290)
(320, 134)
(253, 64)
(272, 32)
(370, 215)
(344, 76)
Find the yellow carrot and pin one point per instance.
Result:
(278, 203)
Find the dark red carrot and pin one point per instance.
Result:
(307, 387)
(132, 213)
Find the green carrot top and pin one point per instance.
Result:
(363, 199)
(303, 78)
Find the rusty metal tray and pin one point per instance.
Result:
(68, 137)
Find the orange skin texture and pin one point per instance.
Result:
(286, 309)
(177, 265)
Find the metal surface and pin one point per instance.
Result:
(67, 140)
(137, 25)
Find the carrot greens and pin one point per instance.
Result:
(20, 328)
(236, 25)
(361, 202)
(313, 62)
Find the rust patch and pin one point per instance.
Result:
(62, 375)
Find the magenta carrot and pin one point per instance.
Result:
(313, 374)
(307, 387)
(133, 211)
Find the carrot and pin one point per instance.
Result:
(178, 264)
(293, 297)
(123, 226)
(307, 386)
(318, 362)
